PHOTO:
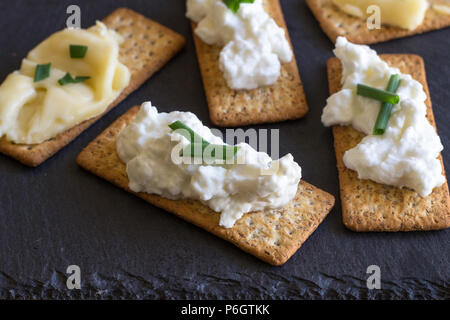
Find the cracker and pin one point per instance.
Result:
(371, 206)
(335, 22)
(147, 47)
(270, 236)
(285, 100)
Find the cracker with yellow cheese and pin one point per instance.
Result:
(285, 100)
(371, 206)
(336, 22)
(147, 46)
(272, 236)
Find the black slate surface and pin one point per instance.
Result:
(59, 215)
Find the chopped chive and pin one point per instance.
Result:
(234, 5)
(42, 72)
(198, 145)
(69, 79)
(197, 150)
(386, 108)
(377, 94)
(187, 132)
(78, 51)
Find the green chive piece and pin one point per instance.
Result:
(215, 151)
(234, 5)
(377, 94)
(187, 132)
(42, 72)
(78, 51)
(386, 108)
(199, 145)
(69, 79)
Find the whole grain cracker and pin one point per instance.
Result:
(285, 100)
(335, 22)
(270, 236)
(146, 48)
(371, 206)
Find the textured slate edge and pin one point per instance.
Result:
(200, 286)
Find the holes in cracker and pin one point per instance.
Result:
(278, 243)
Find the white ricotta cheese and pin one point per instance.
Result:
(147, 144)
(406, 155)
(254, 45)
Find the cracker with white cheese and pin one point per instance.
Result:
(147, 47)
(334, 22)
(285, 100)
(272, 236)
(371, 206)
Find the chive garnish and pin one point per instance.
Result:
(234, 5)
(198, 145)
(69, 79)
(78, 51)
(42, 72)
(187, 132)
(386, 108)
(377, 94)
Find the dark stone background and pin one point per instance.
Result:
(58, 215)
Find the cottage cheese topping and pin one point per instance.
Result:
(32, 112)
(147, 144)
(253, 43)
(406, 155)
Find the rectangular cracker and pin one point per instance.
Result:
(336, 23)
(285, 100)
(370, 206)
(270, 236)
(147, 47)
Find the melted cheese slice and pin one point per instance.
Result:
(406, 14)
(32, 113)
(441, 8)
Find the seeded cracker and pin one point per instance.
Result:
(370, 206)
(285, 100)
(336, 23)
(272, 237)
(148, 46)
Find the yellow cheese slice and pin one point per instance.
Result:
(31, 113)
(406, 14)
(441, 8)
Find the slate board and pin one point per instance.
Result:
(59, 215)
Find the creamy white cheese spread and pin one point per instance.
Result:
(406, 154)
(254, 45)
(147, 147)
